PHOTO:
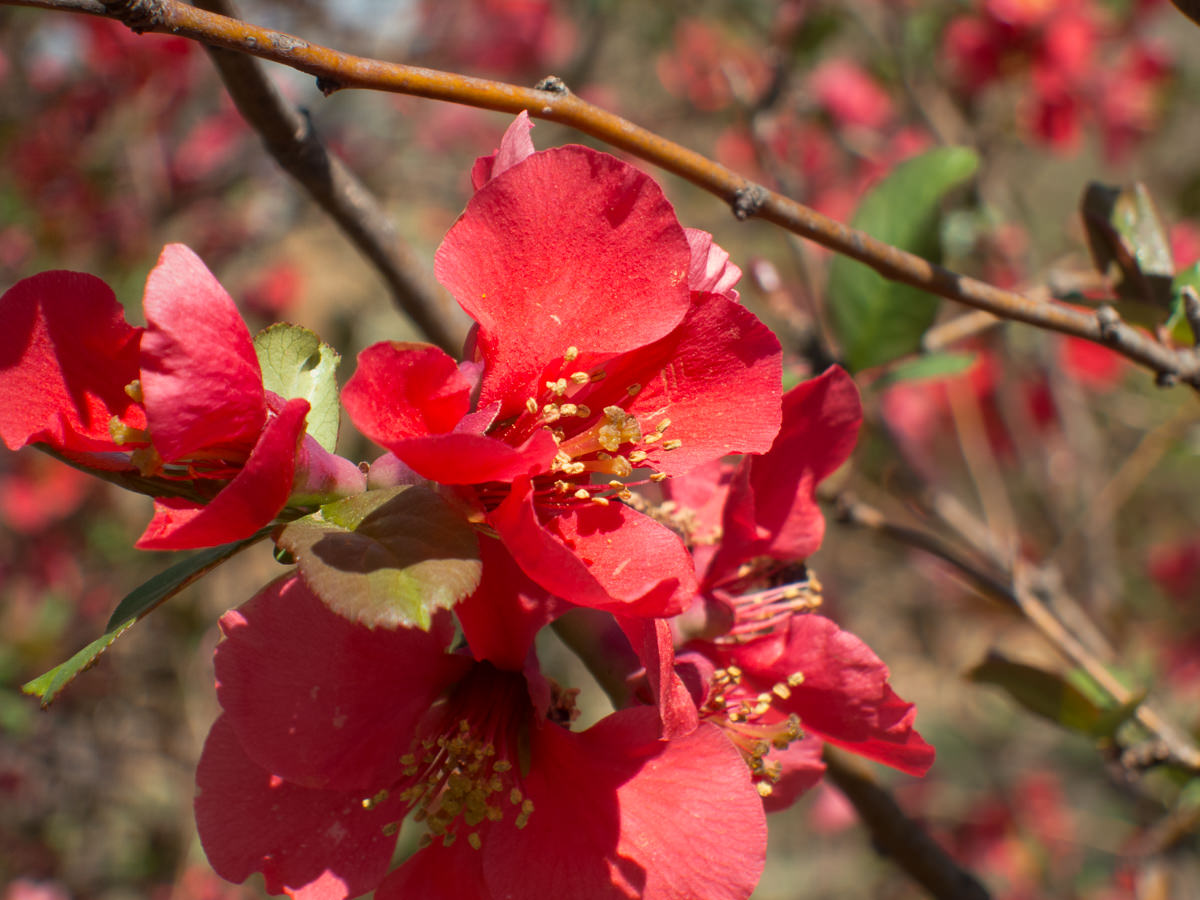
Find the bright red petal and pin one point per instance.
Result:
(618, 813)
(570, 248)
(250, 501)
(772, 508)
(514, 147)
(320, 700)
(66, 355)
(716, 379)
(313, 844)
(845, 697)
(611, 558)
(506, 611)
(475, 458)
(652, 640)
(402, 391)
(200, 376)
(438, 873)
(710, 271)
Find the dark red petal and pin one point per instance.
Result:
(717, 379)
(460, 458)
(200, 375)
(402, 391)
(66, 355)
(250, 501)
(514, 147)
(323, 701)
(611, 558)
(845, 697)
(313, 844)
(570, 248)
(506, 611)
(652, 640)
(618, 813)
(438, 873)
(772, 509)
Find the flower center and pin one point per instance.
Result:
(752, 722)
(764, 595)
(464, 768)
(599, 442)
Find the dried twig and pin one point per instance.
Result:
(904, 841)
(1021, 587)
(338, 71)
(289, 137)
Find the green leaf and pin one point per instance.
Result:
(877, 320)
(935, 365)
(1177, 324)
(1046, 693)
(133, 606)
(295, 364)
(387, 558)
(1128, 242)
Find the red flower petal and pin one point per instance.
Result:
(66, 355)
(506, 611)
(402, 391)
(845, 697)
(314, 844)
(619, 813)
(251, 500)
(514, 147)
(717, 379)
(322, 701)
(570, 248)
(475, 458)
(772, 509)
(802, 768)
(200, 376)
(710, 271)
(611, 558)
(653, 642)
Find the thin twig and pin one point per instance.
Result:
(289, 137)
(1015, 588)
(904, 841)
(338, 71)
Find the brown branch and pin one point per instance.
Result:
(897, 836)
(337, 71)
(289, 137)
(1015, 587)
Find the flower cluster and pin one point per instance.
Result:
(614, 448)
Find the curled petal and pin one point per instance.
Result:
(200, 375)
(653, 642)
(570, 248)
(66, 356)
(514, 147)
(402, 391)
(461, 458)
(250, 501)
(710, 271)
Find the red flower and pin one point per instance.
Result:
(333, 733)
(608, 339)
(776, 673)
(181, 401)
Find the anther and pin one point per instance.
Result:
(633, 389)
(572, 354)
(658, 476)
(662, 426)
(674, 444)
(531, 406)
(580, 377)
(600, 501)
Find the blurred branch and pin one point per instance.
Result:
(897, 836)
(289, 137)
(1030, 591)
(337, 71)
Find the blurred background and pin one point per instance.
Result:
(1047, 455)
